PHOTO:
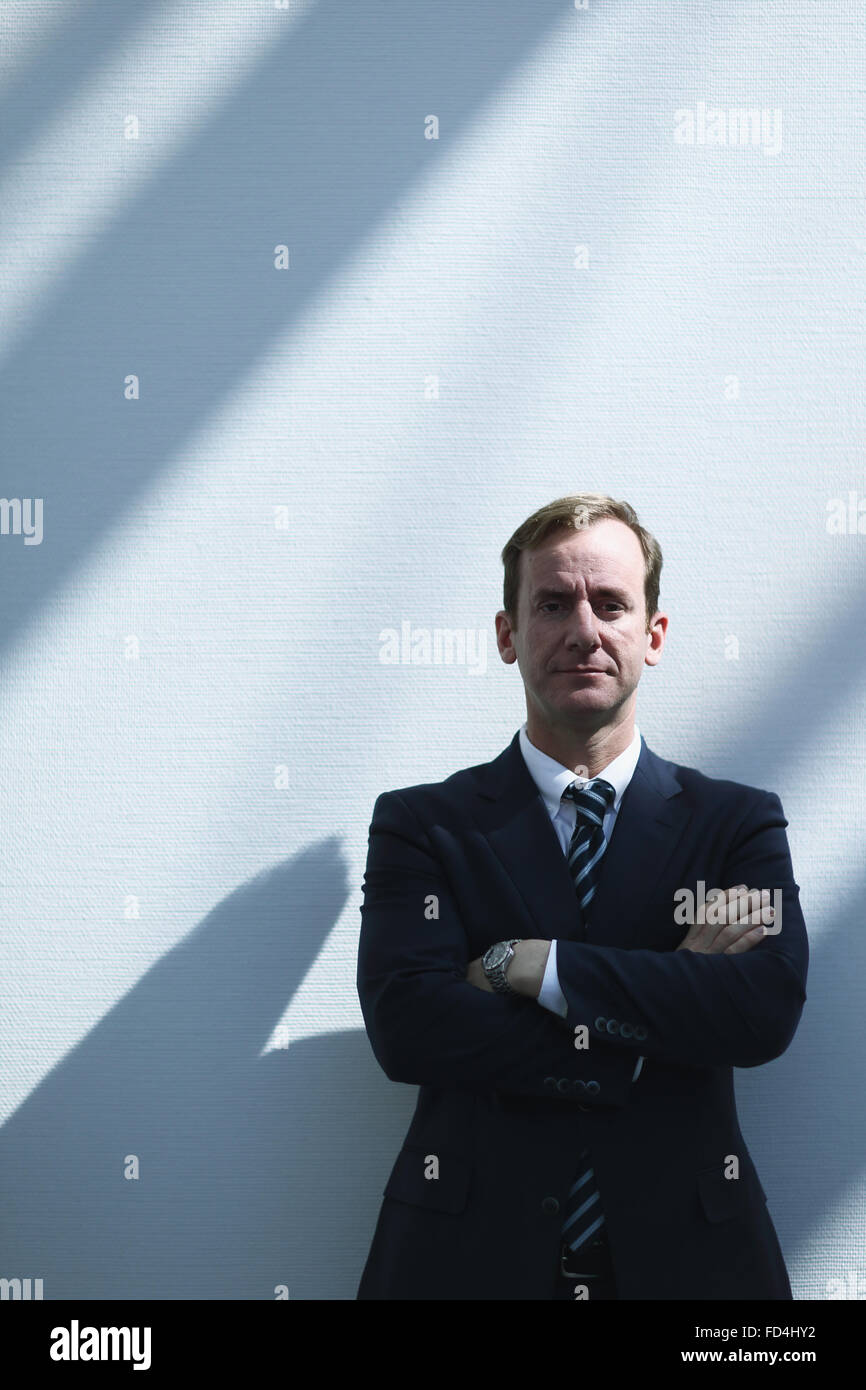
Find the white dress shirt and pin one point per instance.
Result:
(552, 778)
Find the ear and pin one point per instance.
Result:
(504, 630)
(656, 639)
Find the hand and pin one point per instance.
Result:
(735, 930)
(476, 976)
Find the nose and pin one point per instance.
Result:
(583, 628)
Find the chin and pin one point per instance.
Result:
(587, 699)
(575, 712)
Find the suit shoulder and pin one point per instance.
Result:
(721, 789)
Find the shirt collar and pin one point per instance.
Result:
(552, 778)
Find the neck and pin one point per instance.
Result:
(586, 751)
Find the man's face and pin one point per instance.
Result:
(581, 641)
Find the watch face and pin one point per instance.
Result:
(496, 955)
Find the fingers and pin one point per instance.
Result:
(737, 919)
(753, 909)
(723, 906)
(746, 941)
(742, 906)
(744, 903)
(745, 927)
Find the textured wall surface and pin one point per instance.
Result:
(304, 309)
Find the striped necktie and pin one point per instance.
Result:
(583, 1213)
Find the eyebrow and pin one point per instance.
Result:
(604, 590)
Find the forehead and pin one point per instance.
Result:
(607, 551)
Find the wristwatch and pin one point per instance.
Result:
(495, 962)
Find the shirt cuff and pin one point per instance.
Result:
(550, 996)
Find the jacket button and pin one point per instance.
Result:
(612, 1025)
(600, 1024)
(640, 1033)
(593, 1088)
(563, 1084)
(550, 1205)
(626, 1030)
(550, 1083)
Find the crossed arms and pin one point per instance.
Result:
(428, 1024)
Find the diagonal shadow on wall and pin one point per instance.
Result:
(61, 63)
(309, 151)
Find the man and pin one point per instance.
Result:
(523, 960)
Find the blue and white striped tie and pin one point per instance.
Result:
(583, 1213)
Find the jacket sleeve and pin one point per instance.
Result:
(703, 1010)
(426, 1023)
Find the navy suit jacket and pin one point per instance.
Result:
(506, 1099)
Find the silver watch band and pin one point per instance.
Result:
(496, 973)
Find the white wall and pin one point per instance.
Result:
(195, 720)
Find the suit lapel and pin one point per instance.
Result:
(650, 821)
(651, 818)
